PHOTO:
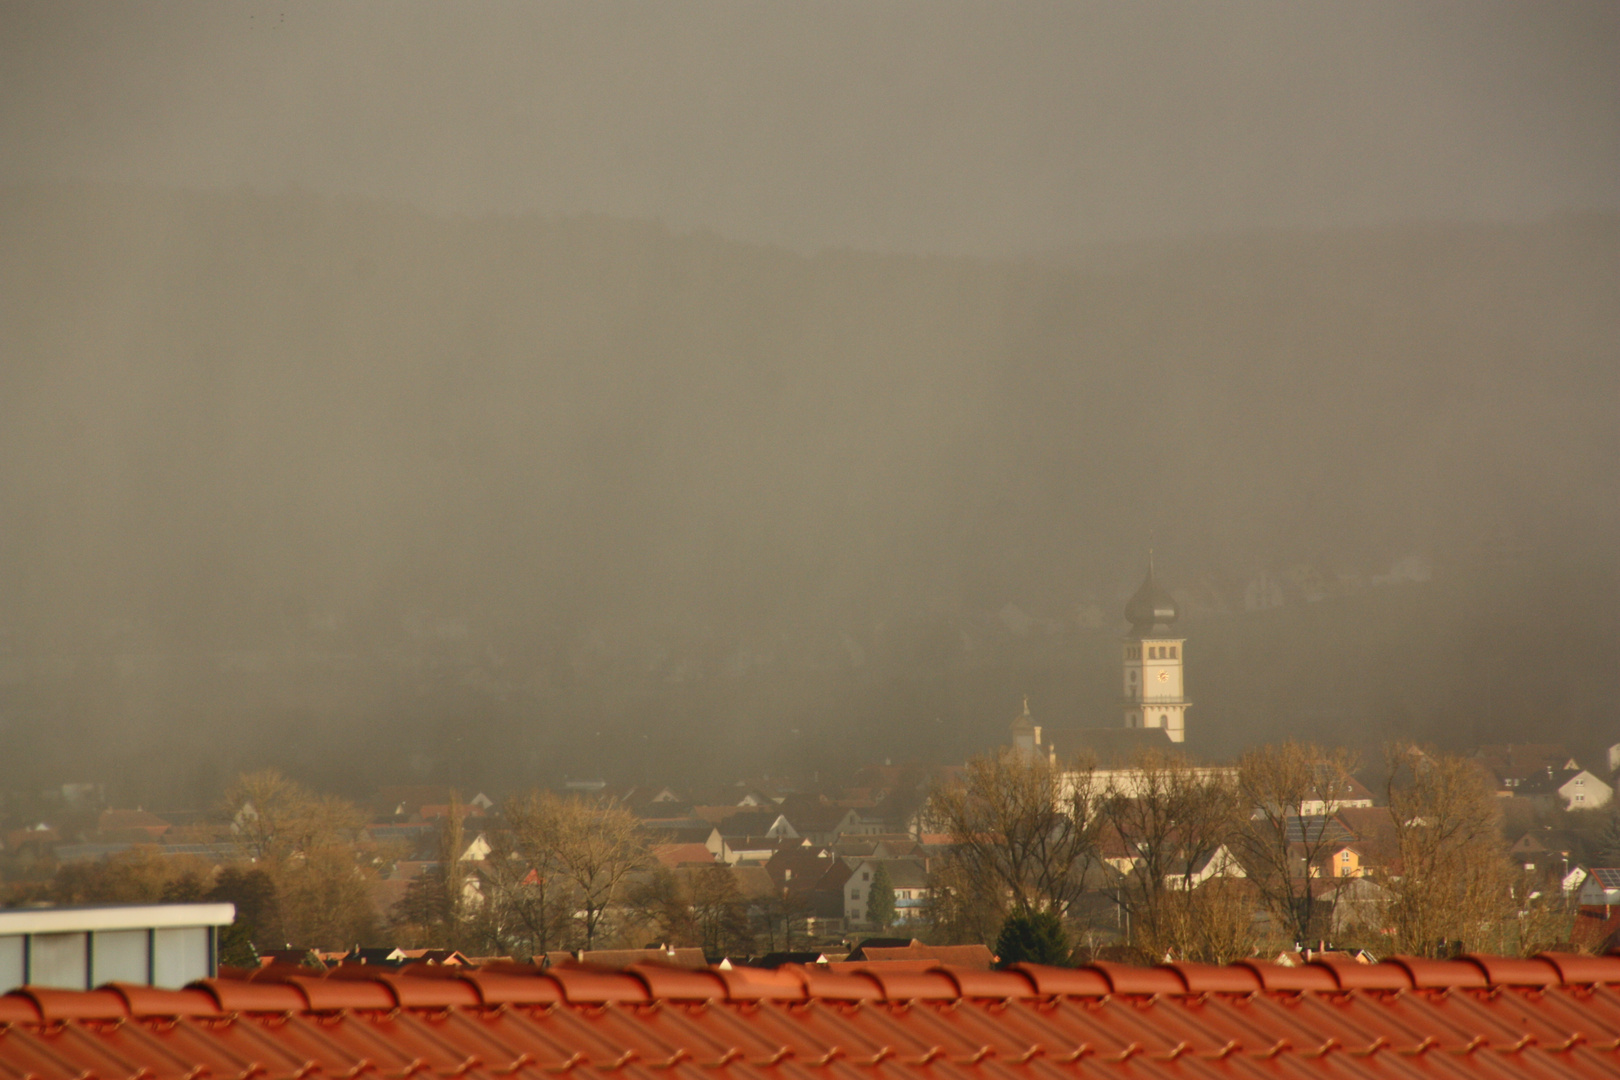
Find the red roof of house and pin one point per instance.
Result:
(127, 820)
(673, 855)
(1553, 1016)
(971, 956)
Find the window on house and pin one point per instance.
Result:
(1172, 652)
(866, 875)
(854, 894)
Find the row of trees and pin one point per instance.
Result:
(1178, 856)
(561, 873)
(1182, 856)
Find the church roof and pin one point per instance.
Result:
(1108, 747)
(1150, 607)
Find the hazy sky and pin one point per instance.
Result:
(898, 126)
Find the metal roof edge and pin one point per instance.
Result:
(64, 920)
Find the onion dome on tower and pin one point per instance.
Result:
(1151, 609)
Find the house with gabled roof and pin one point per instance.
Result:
(907, 877)
(686, 831)
(678, 855)
(1601, 889)
(766, 823)
(1565, 789)
(1352, 794)
(1547, 850)
(756, 849)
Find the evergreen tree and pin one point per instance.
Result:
(1033, 938)
(880, 899)
(1608, 842)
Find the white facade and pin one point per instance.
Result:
(166, 945)
(1583, 791)
(1155, 693)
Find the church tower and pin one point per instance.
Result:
(1154, 693)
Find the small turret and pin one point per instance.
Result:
(1026, 734)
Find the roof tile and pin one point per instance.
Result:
(253, 996)
(882, 1022)
(679, 984)
(151, 1001)
(991, 984)
(1352, 975)
(1573, 968)
(330, 995)
(54, 1005)
(512, 988)
(18, 1008)
(1078, 981)
(914, 985)
(1275, 977)
(1215, 978)
(424, 987)
(1128, 979)
(595, 987)
(1428, 974)
(1514, 971)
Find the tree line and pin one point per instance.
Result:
(1191, 862)
(1166, 858)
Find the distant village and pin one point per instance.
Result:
(1125, 847)
(801, 864)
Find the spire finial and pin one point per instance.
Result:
(1026, 704)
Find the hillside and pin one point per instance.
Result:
(283, 463)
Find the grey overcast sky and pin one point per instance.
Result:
(937, 126)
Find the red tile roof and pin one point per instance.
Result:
(1553, 1016)
(673, 855)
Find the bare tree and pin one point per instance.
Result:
(311, 848)
(452, 843)
(591, 848)
(1452, 886)
(720, 910)
(962, 907)
(1174, 820)
(525, 913)
(1023, 834)
(784, 910)
(663, 902)
(1291, 792)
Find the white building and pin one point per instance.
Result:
(79, 948)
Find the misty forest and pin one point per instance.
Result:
(362, 492)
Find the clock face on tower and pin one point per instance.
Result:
(1164, 676)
